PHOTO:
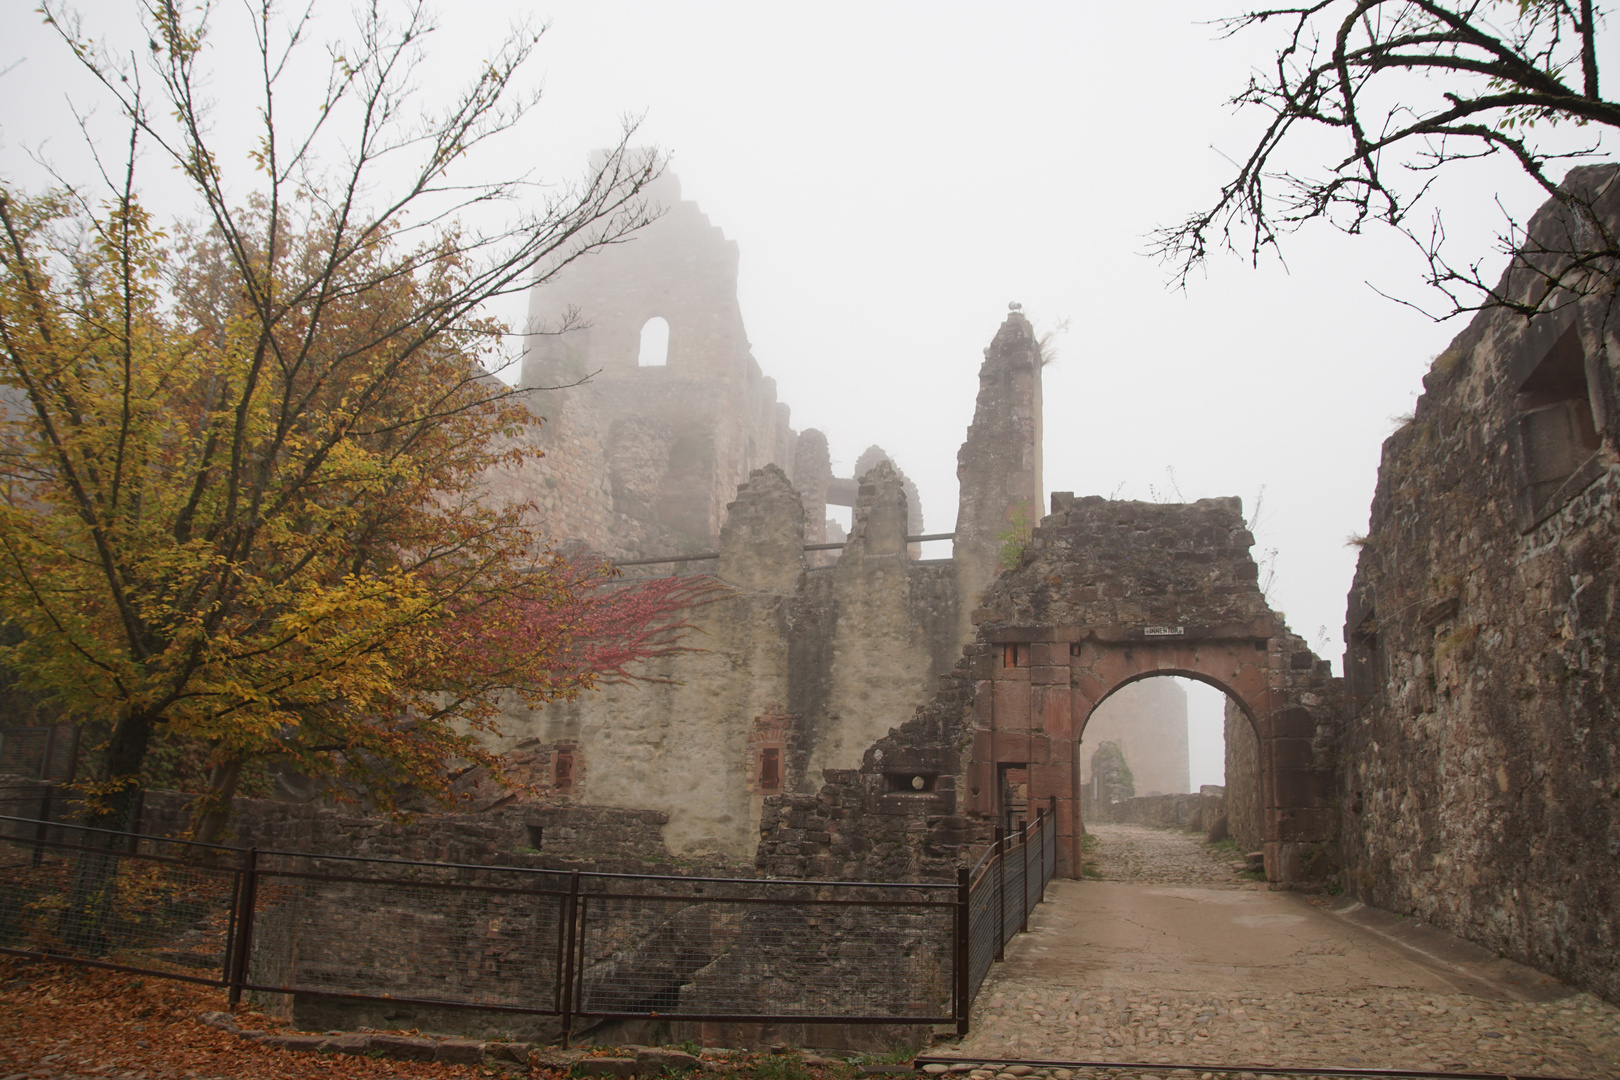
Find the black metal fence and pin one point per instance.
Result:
(572, 945)
(1007, 882)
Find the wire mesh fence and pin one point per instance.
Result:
(1006, 884)
(503, 938)
(67, 892)
(401, 931)
(746, 950)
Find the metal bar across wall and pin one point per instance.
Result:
(704, 556)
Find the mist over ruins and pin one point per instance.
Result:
(853, 712)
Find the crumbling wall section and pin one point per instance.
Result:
(998, 468)
(794, 670)
(1481, 770)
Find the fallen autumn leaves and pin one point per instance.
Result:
(66, 1022)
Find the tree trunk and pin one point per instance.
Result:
(88, 920)
(213, 810)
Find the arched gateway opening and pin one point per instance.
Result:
(1110, 593)
(1155, 752)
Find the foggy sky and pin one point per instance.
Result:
(896, 173)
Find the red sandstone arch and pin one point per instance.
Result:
(1041, 693)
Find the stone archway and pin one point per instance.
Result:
(1108, 593)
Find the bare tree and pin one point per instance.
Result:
(1414, 86)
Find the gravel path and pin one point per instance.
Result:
(1057, 1000)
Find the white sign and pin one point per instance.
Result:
(1163, 631)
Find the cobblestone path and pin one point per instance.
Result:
(1144, 856)
(1175, 959)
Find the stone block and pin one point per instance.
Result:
(403, 1047)
(654, 1061)
(1046, 653)
(509, 1051)
(459, 1052)
(350, 1042)
(306, 1043)
(1304, 788)
(1011, 704)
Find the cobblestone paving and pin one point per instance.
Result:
(1144, 856)
(1033, 1015)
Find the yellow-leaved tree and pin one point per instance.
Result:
(242, 460)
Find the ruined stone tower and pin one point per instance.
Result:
(998, 468)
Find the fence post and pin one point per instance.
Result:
(1040, 853)
(1001, 893)
(42, 830)
(1023, 879)
(247, 897)
(1051, 816)
(567, 971)
(136, 819)
(964, 938)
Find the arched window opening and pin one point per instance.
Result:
(654, 343)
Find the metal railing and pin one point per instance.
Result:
(576, 945)
(1008, 880)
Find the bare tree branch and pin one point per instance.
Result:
(1503, 73)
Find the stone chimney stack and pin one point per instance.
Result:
(999, 466)
(879, 523)
(762, 541)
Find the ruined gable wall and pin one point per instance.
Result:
(880, 664)
(672, 441)
(998, 468)
(1481, 771)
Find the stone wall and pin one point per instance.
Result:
(605, 838)
(1245, 810)
(998, 468)
(642, 460)
(1191, 812)
(807, 658)
(1480, 774)
(795, 669)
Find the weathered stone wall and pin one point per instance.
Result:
(1148, 721)
(809, 656)
(806, 664)
(605, 838)
(1190, 812)
(1481, 771)
(1245, 810)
